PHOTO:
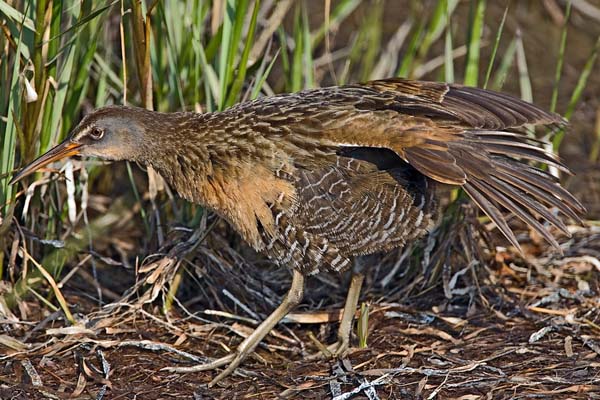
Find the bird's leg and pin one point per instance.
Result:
(345, 328)
(292, 299)
(343, 342)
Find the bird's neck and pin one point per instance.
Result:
(188, 149)
(176, 143)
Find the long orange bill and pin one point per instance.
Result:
(65, 149)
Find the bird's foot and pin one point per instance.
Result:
(334, 350)
(247, 347)
(233, 359)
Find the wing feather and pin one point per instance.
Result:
(469, 137)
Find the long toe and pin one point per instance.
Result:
(342, 347)
(232, 361)
(334, 350)
(218, 363)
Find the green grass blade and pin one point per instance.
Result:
(111, 75)
(60, 96)
(578, 91)
(595, 151)
(211, 81)
(448, 58)
(88, 41)
(51, 61)
(243, 65)
(505, 65)
(101, 90)
(16, 16)
(285, 58)
(488, 73)
(15, 29)
(297, 67)
(363, 325)
(367, 46)
(524, 79)
(262, 77)
(309, 71)
(9, 138)
(168, 44)
(233, 22)
(439, 21)
(84, 20)
(224, 53)
(241, 9)
(406, 66)
(474, 42)
(561, 58)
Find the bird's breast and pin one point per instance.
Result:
(244, 195)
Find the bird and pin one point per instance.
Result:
(316, 178)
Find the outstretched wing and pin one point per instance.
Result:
(458, 135)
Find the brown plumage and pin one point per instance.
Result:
(316, 177)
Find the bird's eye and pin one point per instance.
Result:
(96, 133)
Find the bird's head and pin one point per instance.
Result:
(110, 133)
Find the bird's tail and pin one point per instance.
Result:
(494, 168)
